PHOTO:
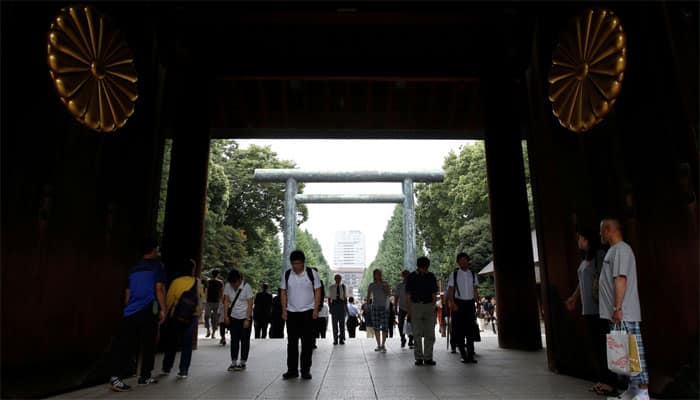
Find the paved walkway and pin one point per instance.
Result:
(355, 371)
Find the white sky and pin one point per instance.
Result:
(391, 155)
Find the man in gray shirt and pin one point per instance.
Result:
(619, 298)
(401, 309)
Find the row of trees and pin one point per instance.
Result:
(451, 216)
(243, 217)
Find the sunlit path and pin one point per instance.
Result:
(355, 371)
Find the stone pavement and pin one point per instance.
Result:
(355, 371)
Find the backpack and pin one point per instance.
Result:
(454, 279)
(186, 306)
(310, 273)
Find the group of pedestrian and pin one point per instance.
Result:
(608, 294)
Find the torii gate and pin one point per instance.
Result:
(292, 176)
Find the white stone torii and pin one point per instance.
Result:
(292, 176)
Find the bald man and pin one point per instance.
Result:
(619, 297)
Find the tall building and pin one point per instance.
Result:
(349, 258)
(349, 249)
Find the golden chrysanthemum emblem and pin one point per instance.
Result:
(92, 68)
(587, 69)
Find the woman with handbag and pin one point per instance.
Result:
(238, 297)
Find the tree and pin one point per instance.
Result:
(254, 207)
(264, 265)
(453, 216)
(389, 257)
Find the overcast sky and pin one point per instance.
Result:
(391, 155)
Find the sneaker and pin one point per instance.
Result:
(231, 367)
(290, 375)
(429, 362)
(642, 395)
(241, 366)
(342, 342)
(378, 348)
(469, 360)
(237, 367)
(419, 362)
(118, 386)
(629, 394)
(180, 375)
(383, 349)
(147, 381)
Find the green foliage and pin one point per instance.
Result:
(314, 255)
(264, 265)
(256, 208)
(165, 174)
(453, 216)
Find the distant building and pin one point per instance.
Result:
(349, 259)
(349, 249)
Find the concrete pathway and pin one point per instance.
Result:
(355, 371)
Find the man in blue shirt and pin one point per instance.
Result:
(144, 310)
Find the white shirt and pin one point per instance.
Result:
(240, 309)
(352, 310)
(465, 282)
(300, 294)
(332, 292)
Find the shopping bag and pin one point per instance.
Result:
(635, 365)
(408, 328)
(618, 347)
(370, 332)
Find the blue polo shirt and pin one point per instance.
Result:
(142, 285)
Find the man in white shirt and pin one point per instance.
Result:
(338, 301)
(462, 292)
(301, 295)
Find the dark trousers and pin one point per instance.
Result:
(176, 335)
(136, 330)
(352, 325)
(240, 339)
(338, 311)
(597, 329)
(322, 325)
(300, 326)
(276, 327)
(402, 318)
(464, 323)
(261, 327)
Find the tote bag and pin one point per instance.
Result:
(622, 351)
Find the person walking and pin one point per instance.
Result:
(353, 317)
(618, 298)
(276, 321)
(238, 298)
(463, 294)
(144, 311)
(400, 308)
(421, 289)
(301, 296)
(338, 305)
(378, 291)
(178, 330)
(215, 289)
(586, 292)
(323, 321)
(262, 307)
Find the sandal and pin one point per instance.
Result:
(604, 390)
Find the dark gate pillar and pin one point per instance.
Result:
(518, 316)
(183, 230)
